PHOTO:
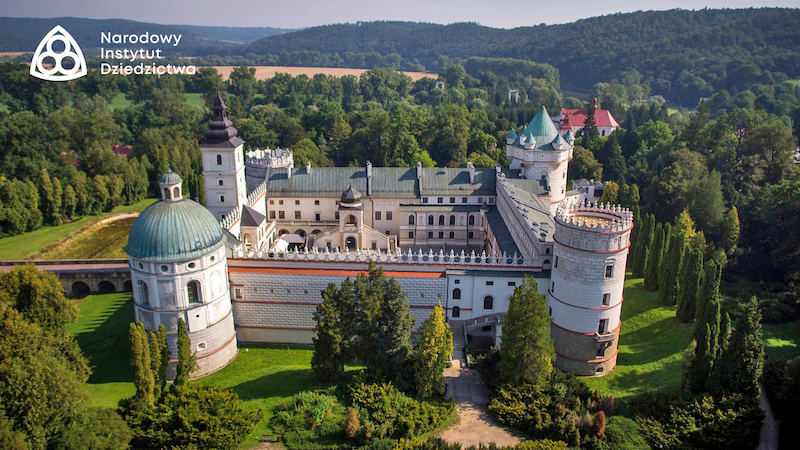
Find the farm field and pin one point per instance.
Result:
(119, 101)
(105, 240)
(23, 245)
(265, 72)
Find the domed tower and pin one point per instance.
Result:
(539, 152)
(179, 270)
(587, 277)
(351, 219)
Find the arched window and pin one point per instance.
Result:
(193, 291)
(430, 220)
(456, 311)
(219, 160)
(488, 302)
(166, 194)
(144, 293)
(472, 220)
(547, 261)
(176, 192)
(351, 219)
(547, 251)
(441, 220)
(456, 294)
(411, 219)
(452, 220)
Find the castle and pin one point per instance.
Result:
(250, 265)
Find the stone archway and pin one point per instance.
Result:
(350, 243)
(106, 286)
(127, 286)
(80, 289)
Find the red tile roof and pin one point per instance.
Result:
(123, 150)
(577, 117)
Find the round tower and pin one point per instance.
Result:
(179, 271)
(584, 298)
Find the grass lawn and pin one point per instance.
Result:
(196, 99)
(20, 246)
(102, 333)
(783, 339)
(106, 240)
(651, 345)
(119, 101)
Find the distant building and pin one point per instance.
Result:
(574, 119)
(123, 150)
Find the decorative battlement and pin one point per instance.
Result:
(594, 217)
(230, 219)
(253, 196)
(269, 158)
(462, 259)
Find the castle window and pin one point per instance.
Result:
(471, 220)
(297, 215)
(609, 270)
(280, 202)
(222, 199)
(552, 287)
(377, 215)
(430, 234)
(220, 182)
(191, 265)
(452, 220)
(336, 214)
(387, 232)
(388, 215)
(411, 219)
(374, 245)
(488, 302)
(201, 346)
(452, 235)
(219, 160)
(491, 201)
(237, 293)
(144, 294)
(546, 261)
(480, 199)
(351, 219)
(424, 199)
(602, 326)
(463, 199)
(456, 281)
(598, 370)
(490, 283)
(193, 292)
(550, 311)
(166, 194)
(272, 215)
(452, 199)
(272, 202)
(441, 220)
(411, 235)
(440, 200)
(512, 283)
(164, 268)
(555, 264)
(471, 234)
(441, 235)
(430, 220)
(547, 251)
(456, 294)
(297, 202)
(456, 312)
(282, 215)
(606, 299)
(316, 202)
(316, 217)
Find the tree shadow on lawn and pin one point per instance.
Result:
(654, 342)
(284, 383)
(107, 346)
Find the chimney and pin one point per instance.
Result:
(522, 170)
(419, 170)
(308, 168)
(369, 178)
(471, 168)
(289, 172)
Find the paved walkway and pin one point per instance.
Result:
(770, 428)
(471, 396)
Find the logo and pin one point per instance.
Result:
(47, 64)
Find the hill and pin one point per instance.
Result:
(684, 54)
(24, 34)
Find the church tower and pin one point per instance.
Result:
(223, 164)
(539, 152)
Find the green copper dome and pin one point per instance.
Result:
(170, 178)
(173, 231)
(542, 128)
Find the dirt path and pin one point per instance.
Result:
(770, 428)
(471, 397)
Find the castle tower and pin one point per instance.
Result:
(351, 219)
(541, 153)
(584, 298)
(223, 164)
(179, 270)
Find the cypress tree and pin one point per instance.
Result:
(590, 132)
(654, 259)
(742, 361)
(186, 359)
(670, 283)
(140, 363)
(163, 365)
(432, 353)
(391, 341)
(329, 341)
(709, 296)
(690, 285)
(155, 363)
(646, 237)
(702, 365)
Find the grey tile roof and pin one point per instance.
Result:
(504, 240)
(251, 217)
(387, 182)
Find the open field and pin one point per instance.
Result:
(651, 345)
(783, 339)
(104, 240)
(120, 101)
(20, 246)
(265, 72)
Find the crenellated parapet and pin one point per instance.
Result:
(256, 193)
(269, 158)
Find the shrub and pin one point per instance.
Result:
(388, 413)
(623, 433)
(308, 417)
(544, 444)
(351, 423)
(598, 426)
(205, 417)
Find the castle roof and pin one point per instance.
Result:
(221, 132)
(393, 182)
(251, 217)
(541, 127)
(351, 195)
(169, 178)
(512, 134)
(176, 230)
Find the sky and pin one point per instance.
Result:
(307, 13)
